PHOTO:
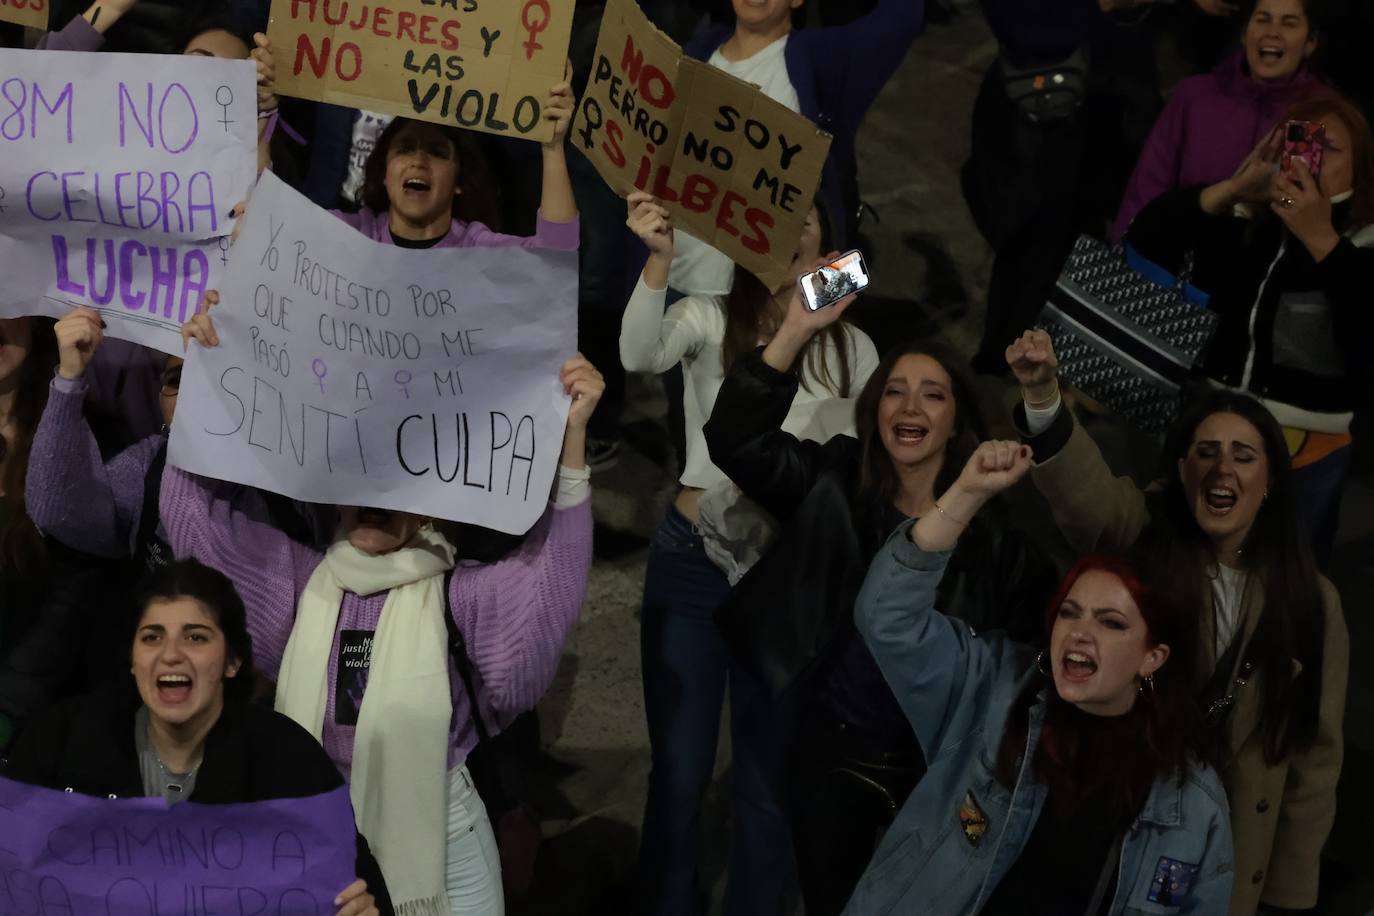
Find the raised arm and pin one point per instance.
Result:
(1094, 509)
(556, 201)
(70, 492)
(859, 58)
(939, 672)
(650, 339)
(87, 31)
(1157, 169)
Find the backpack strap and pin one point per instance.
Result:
(458, 652)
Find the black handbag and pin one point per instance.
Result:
(1046, 93)
(1126, 340)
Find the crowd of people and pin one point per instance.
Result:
(927, 714)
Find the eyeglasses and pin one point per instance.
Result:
(171, 382)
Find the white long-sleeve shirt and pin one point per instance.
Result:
(691, 332)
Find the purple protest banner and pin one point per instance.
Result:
(75, 855)
(117, 176)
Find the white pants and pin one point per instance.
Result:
(473, 869)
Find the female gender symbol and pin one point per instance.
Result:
(220, 98)
(404, 378)
(317, 366)
(224, 249)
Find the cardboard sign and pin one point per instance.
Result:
(31, 13)
(74, 855)
(487, 65)
(117, 175)
(735, 168)
(352, 371)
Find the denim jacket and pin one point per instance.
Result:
(961, 829)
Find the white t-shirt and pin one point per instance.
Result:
(1228, 594)
(691, 332)
(698, 269)
(366, 129)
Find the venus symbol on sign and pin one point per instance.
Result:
(224, 249)
(403, 379)
(534, 28)
(224, 97)
(318, 367)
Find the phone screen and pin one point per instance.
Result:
(1305, 140)
(834, 281)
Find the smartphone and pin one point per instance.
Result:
(845, 275)
(1305, 140)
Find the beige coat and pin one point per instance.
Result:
(1280, 815)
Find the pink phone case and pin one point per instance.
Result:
(1305, 140)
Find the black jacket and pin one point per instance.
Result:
(1313, 327)
(794, 610)
(252, 754)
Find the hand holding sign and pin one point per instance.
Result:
(559, 109)
(267, 73)
(651, 222)
(356, 901)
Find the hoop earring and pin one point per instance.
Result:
(1040, 665)
(1148, 681)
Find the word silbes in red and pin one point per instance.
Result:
(641, 87)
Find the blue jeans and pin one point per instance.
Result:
(1317, 492)
(685, 670)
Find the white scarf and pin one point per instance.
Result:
(400, 747)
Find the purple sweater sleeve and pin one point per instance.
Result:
(547, 234)
(516, 613)
(77, 35)
(73, 495)
(267, 567)
(1157, 170)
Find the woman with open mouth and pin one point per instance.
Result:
(1063, 782)
(1212, 121)
(370, 644)
(1274, 652)
(851, 755)
(183, 728)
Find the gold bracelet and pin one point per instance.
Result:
(941, 509)
(1041, 405)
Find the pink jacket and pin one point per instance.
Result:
(1210, 125)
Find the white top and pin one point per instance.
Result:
(1228, 593)
(366, 129)
(691, 333)
(698, 269)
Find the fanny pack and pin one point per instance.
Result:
(1044, 93)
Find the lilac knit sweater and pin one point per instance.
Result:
(514, 614)
(71, 494)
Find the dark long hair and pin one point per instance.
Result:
(747, 309)
(1361, 152)
(1277, 558)
(477, 202)
(1152, 741)
(21, 543)
(878, 480)
(212, 588)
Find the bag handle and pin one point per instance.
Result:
(458, 652)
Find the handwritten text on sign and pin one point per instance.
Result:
(117, 175)
(352, 371)
(74, 855)
(482, 64)
(33, 13)
(735, 168)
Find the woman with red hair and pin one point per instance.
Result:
(1063, 782)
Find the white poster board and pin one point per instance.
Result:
(355, 372)
(117, 175)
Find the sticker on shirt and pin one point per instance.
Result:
(974, 821)
(1173, 882)
(355, 660)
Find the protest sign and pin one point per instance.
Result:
(352, 371)
(77, 855)
(117, 175)
(487, 65)
(32, 13)
(735, 168)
